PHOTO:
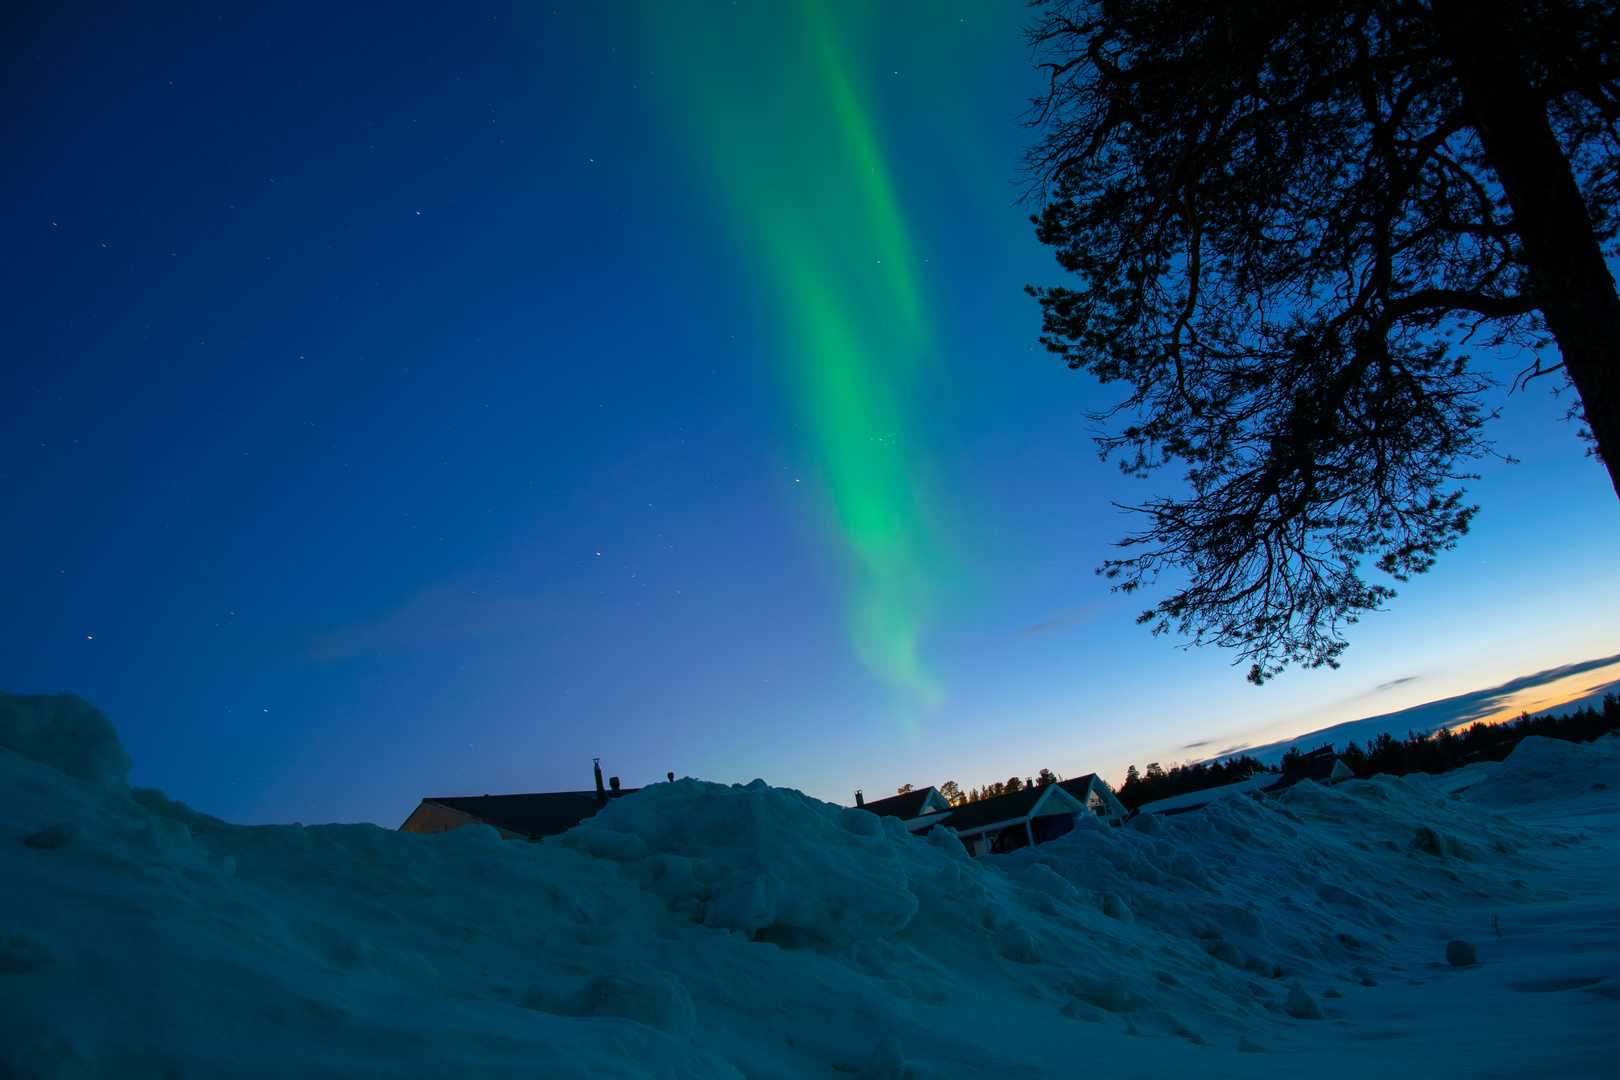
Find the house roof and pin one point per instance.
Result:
(906, 805)
(1013, 806)
(1191, 800)
(1324, 768)
(536, 815)
(1081, 788)
(1077, 785)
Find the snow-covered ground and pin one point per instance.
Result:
(703, 930)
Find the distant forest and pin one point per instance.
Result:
(1441, 752)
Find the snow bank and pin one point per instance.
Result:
(1541, 768)
(696, 930)
(66, 733)
(768, 863)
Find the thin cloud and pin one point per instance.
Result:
(436, 615)
(1077, 614)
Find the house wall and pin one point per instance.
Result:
(1051, 827)
(1012, 837)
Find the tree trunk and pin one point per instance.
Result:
(1568, 277)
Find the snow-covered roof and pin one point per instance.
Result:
(1193, 799)
(1325, 770)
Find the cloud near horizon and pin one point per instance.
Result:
(1491, 705)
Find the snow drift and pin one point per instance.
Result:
(697, 930)
(1540, 769)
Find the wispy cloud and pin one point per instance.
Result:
(1070, 617)
(436, 615)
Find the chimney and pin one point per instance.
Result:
(860, 800)
(613, 782)
(596, 766)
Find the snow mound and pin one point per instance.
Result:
(697, 931)
(768, 862)
(68, 734)
(1540, 768)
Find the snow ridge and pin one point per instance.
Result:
(699, 930)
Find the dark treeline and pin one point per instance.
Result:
(1447, 750)
(957, 797)
(1441, 752)
(1156, 783)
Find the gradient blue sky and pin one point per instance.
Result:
(415, 399)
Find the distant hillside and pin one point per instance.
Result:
(1449, 712)
(1418, 752)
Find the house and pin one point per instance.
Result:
(1097, 797)
(1004, 823)
(517, 817)
(920, 809)
(1325, 769)
(1192, 800)
(1007, 822)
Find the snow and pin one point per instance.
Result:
(68, 734)
(696, 930)
(1540, 769)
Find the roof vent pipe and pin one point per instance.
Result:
(596, 767)
(860, 800)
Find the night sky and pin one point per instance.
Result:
(408, 400)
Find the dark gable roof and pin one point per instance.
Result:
(543, 814)
(1009, 807)
(1319, 770)
(1080, 786)
(907, 805)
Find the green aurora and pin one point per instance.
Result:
(788, 137)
